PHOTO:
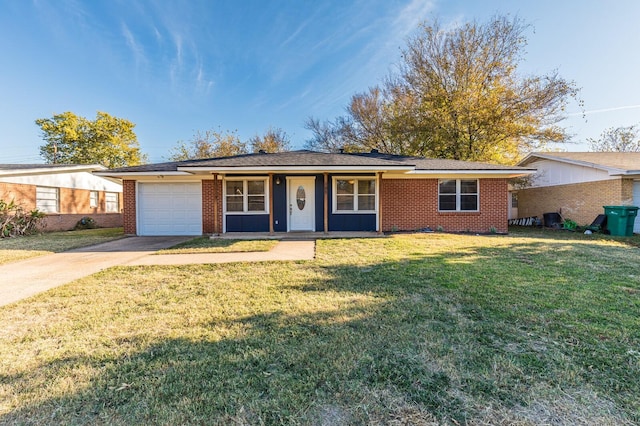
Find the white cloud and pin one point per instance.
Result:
(598, 111)
(136, 48)
(409, 17)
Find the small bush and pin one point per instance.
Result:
(14, 220)
(569, 224)
(86, 223)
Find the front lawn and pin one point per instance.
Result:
(219, 245)
(19, 248)
(413, 329)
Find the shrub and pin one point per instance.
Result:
(86, 223)
(14, 220)
(569, 224)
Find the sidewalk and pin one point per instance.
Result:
(32, 276)
(283, 251)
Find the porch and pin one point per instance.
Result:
(297, 235)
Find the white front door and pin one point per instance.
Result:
(301, 201)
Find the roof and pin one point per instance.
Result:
(31, 169)
(312, 161)
(440, 164)
(616, 163)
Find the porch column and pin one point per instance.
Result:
(326, 202)
(379, 179)
(270, 203)
(215, 204)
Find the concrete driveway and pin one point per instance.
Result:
(31, 276)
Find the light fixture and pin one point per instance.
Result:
(278, 180)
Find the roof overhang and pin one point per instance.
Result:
(498, 174)
(613, 171)
(122, 175)
(52, 170)
(294, 169)
(626, 173)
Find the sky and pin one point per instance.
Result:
(177, 67)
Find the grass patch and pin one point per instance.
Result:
(19, 248)
(424, 329)
(219, 245)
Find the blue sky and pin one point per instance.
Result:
(175, 67)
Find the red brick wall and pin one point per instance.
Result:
(211, 199)
(129, 198)
(24, 195)
(74, 205)
(208, 208)
(66, 222)
(412, 204)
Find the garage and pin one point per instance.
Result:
(169, 208)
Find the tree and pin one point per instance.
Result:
(209, 144)
(456, 94)
(107, 140)
(215, 143)
(273, 140)
(617, 139)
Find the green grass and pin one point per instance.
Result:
(531, 328)
(19, 248)
(218, 245)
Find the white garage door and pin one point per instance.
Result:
(636, 202)
(169, 208)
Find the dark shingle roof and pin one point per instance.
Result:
(300, 158)
(422, 163)
(305, 158)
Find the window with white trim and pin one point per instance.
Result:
(93, 199)
(357, 194)
(458, 195)
(246, 195)
(47, 199)
(111, 202)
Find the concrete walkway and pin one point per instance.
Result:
(284, 250)
(32, 276)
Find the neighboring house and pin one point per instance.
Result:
(578, 184)
(312, 191)
(66, 193)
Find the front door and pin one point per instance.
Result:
(301, 200)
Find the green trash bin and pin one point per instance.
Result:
(620, 219)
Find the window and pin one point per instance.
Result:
(354, 195)
(246, 195)
(111, 202)
(47, 199)
(458, 195)
(514, 200)
(93, 199)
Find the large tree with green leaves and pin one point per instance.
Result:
(107, 140)
(617, 139)
(457, 94)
